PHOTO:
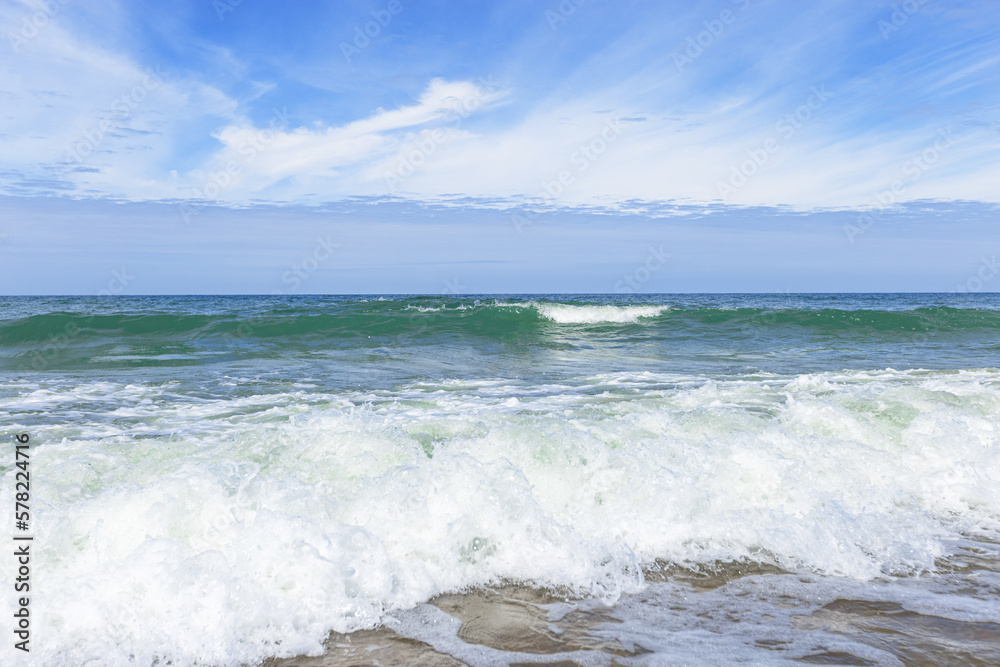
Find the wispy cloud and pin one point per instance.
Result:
(311, 156)
(258, 101)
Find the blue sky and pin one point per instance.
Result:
(205, 146)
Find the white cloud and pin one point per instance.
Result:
(89, 120)
(256, 158)
(170, 135)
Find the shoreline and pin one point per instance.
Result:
(829, 621)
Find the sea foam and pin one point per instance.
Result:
(562, 313)
(237, 529)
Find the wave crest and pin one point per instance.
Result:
(562, 313)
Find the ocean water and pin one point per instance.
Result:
(709, 479)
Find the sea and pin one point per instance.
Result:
(668, 479)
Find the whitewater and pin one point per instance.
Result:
(220, 480)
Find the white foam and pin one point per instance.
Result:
(562, 313)
(762, 619)
(439, 309)
(241, 528)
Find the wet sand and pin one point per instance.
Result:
(517, 625)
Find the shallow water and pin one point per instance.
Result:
(649, 480)
(734, 614)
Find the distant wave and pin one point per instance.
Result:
(63, 339)
(395, 317)
(562, 313)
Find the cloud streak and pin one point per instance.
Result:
(298, 123)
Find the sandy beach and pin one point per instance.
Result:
(522, 626)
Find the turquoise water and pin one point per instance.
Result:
(221, 479)
(393, 338)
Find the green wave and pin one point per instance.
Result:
(291, 324)
(493, 320)
(941, 318)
